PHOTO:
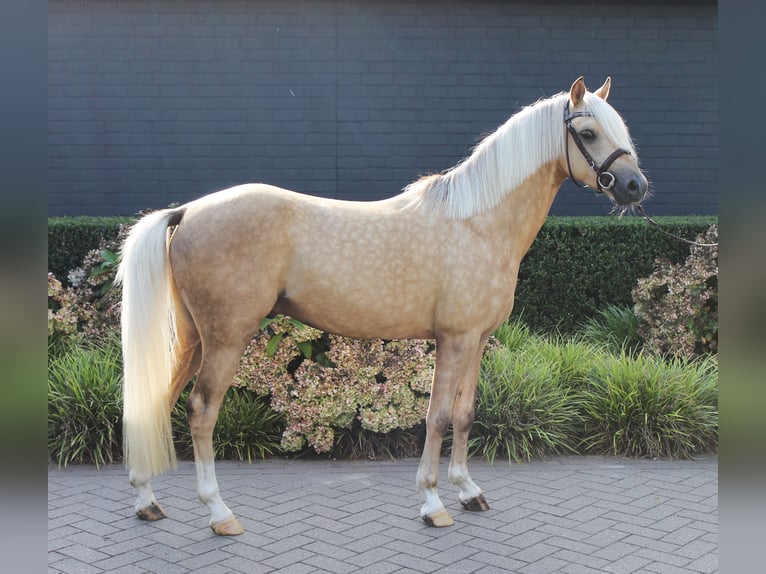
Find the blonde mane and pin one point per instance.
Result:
(530, 139)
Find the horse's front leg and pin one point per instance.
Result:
(454, 358)
(471, 496)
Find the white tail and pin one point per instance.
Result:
(148, 337)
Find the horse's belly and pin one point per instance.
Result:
(361, 315)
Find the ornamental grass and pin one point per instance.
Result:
(84, 404)
(523, 409)
(646, 406)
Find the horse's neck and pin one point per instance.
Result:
(522, 212)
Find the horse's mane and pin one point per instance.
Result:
(504, 159)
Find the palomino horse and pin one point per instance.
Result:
(438, 261)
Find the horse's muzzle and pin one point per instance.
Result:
(629, 188)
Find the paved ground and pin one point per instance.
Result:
(566, 514)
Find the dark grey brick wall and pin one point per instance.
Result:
(159, 101)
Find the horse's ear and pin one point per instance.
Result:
(577, 91)
(603, 91)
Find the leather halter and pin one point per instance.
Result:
(604, 178)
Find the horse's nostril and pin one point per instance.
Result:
(634, 190)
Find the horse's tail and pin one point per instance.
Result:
(148, 338)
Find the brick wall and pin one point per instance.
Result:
(159, 101)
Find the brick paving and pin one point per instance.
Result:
(573, 515)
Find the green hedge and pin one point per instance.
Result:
(576, 266)
(70, 238)
(579, 265)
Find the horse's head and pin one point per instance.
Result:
(599, 152)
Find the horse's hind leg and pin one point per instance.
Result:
(146, 507)
(471, 497)
(219, 363)
(188, 354)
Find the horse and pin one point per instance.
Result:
(437, 261)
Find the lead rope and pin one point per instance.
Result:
(643, 214)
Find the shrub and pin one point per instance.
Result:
(645, 406)
(89, 305)
(62, 314)
(84, 404)
(677, 305)
(523, 411)
(371, 387)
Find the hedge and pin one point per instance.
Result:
(70, 238)
(576, 266)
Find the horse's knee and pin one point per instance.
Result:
(463, 421)
(438, 423)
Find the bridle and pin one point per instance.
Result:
(604, 178)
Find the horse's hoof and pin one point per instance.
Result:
(228, 527)
(439, 519)
(152, 512)
(475, 504)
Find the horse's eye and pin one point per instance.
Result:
(587, 135)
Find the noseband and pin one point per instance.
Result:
(604, 178)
